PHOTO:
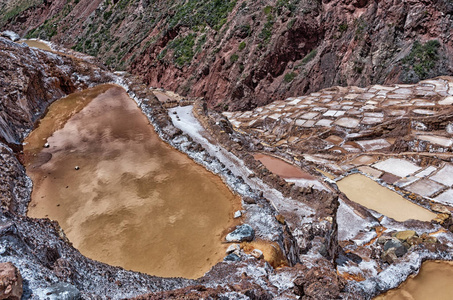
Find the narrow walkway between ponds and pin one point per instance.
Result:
(186, 121)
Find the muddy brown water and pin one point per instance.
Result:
(36, 44)
(432, 282)
(370, 194)
(135, 202)
(281, 167)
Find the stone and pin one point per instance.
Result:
(440, 209)
(383, 239)
(237, 214)
(258, 254)
(441, 218)
(46, 145)
(404, 235)
(396, 244)
(10, 35)
(241, 233)
(10, 282)
(62, 291)
(77, 168)
(389, 256)
(299, 286)
(280, 219)
(232, 257)
(414, 240)
(430, 239)
(232, 248)
(249, 200)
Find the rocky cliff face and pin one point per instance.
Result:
(31, 79)
(243, 54)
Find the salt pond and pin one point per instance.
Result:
(134, 201)
(367, 192)
(282, 168)
(432, 282)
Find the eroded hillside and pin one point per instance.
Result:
(243, 54)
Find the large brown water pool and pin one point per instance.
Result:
(135, 202)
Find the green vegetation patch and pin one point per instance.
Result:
(422, 58)
(266, 32)
(309, 56)
(107, 15)
(268, 10)
(289, 77)
(342, 27)
(241, 46)
(183, 49)
(122, 4)
(291, 5)
(206, 12)
(18, 8)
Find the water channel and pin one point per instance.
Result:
(122, 195)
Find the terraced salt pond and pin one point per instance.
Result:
(281, 168)
(370, 194)
(135, 202)
(432, 282)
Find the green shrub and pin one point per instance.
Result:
(107, 15)
(290, 23)
(309, 56)
(422, 58)
(289, 77)
(342, 27)
(241, 46)
(162, 54)
(234, 58)
(17, 9)
(201, 41)
(266, 32)
(268, 10)
(291, 5)
(201, 12)
(245, 30)
(183, 49)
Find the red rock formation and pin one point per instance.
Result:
(263, 51)
(31, 79)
